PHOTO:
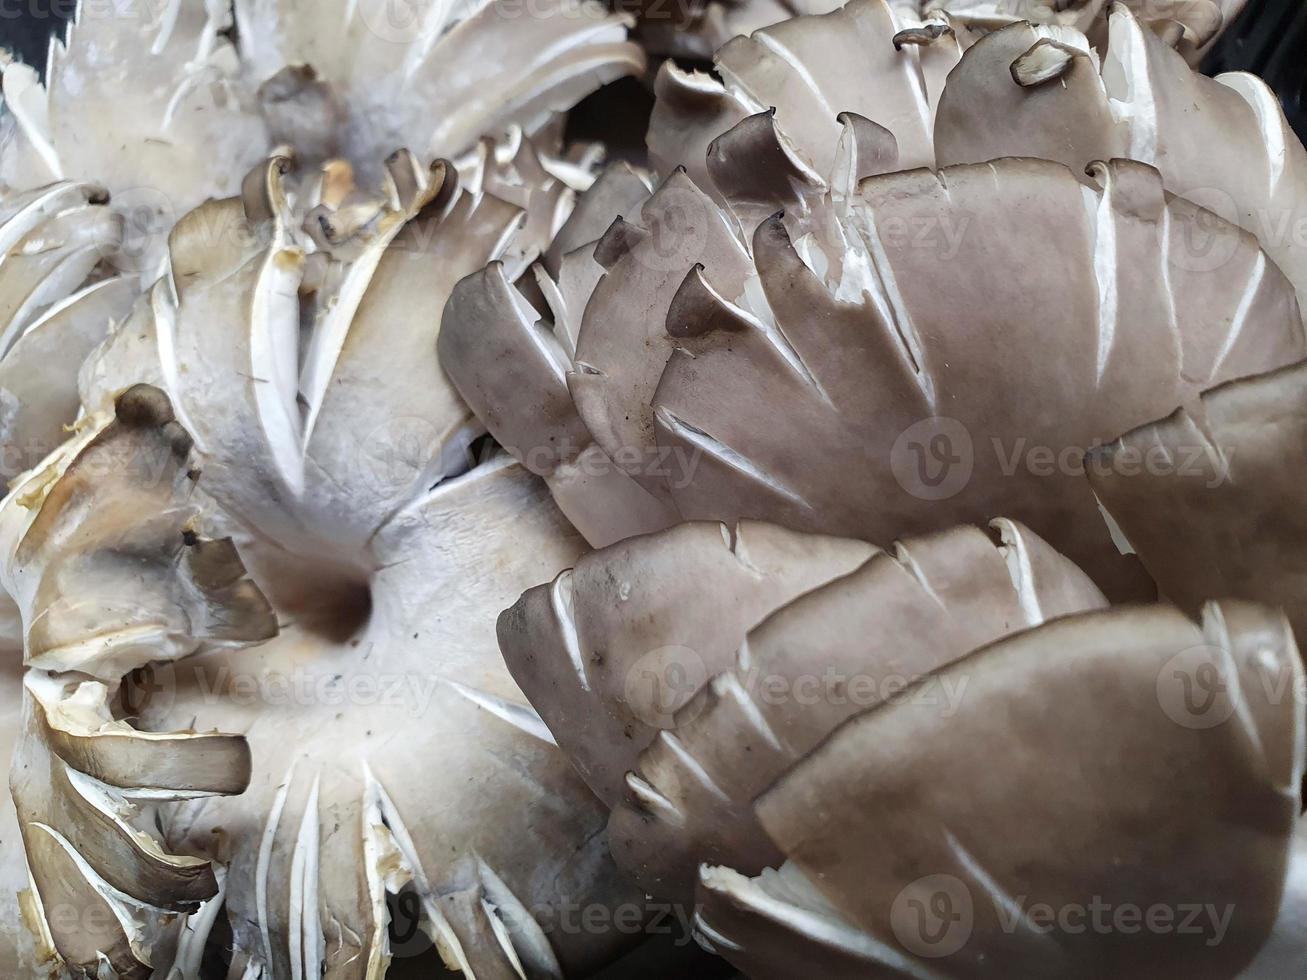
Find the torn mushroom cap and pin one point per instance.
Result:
(808, 666)
(433, 81)
(870, 58)
(1210, 497)
(1190, 26)
(313, 437)
(198, 105)
(1034, 91)
(86, 787)
(51, 238)
(755, 385)
(100, 559)
(1131, 791)
(38, 400)
(611, 649)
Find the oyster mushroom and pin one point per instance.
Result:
(430, 77)
(108, 574)
(927, 724)
(853, 60)
(680, 734)
(51, 240)
(696, 336)
(1190, 26)
(1023, 91)
(1137, 808)
(1210, 496)
(342, 85)
(392, 750)
(606, 683)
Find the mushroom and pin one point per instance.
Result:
(51, 241)
(729, 377)
(1072, 813)
(1141, 101)
(108, 574)
(392, 751)
(679, 734)
(195, 110)
(926, 701)
(1210, 496)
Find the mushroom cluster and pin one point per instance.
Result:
(861, 519)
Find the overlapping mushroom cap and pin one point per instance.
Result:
(903, 767)
(1090, 805)
(1221, 142)
(334, 79)
(108, 572)
(679, 722)
(392, 751)
(1210, 497)
(872, 342)
(150, 109)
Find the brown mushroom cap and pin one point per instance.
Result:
(962, 378)
(613, 648)
(1113, 794)
(1223, 143)
(1210, 497)
(829, 654)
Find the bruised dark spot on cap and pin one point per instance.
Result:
(190, 538)
(143, 406)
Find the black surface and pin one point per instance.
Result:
(26, 26)
(1270, 39)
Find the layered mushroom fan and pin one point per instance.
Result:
(949, 761)
(949, 343)
(394, 752)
